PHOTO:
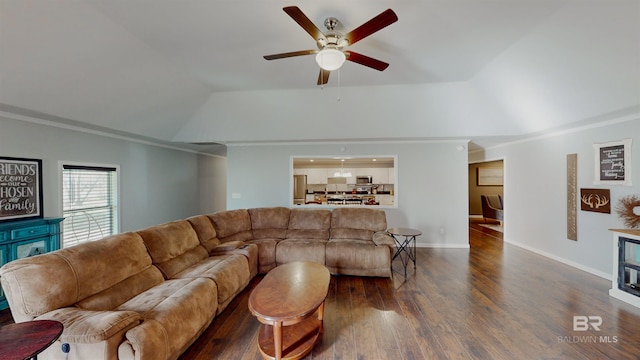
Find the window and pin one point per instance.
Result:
(89, 203)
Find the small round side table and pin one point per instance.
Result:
(26, 340)
(405, 248)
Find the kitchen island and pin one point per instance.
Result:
(349, 198)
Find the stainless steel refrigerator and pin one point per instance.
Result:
(299, 189)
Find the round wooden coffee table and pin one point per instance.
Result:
(26, 340)
(289, 302)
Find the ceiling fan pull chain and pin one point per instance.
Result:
(338, 98)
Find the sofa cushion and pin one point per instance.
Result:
(230, 273)
(174, 314)
(357, 223)
(309, 224)
(356, 257)
(91, 334)
(266, 254)
(269, 223)
(232, 225)
(102, 264)
(173, 246)
(30, 287)
(249, 251)
(300, 250)
(89, 326)
(117, 294)
(61, 278)
(205, 231)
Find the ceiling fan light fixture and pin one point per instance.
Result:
(330, 59)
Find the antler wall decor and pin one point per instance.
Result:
(596, 200)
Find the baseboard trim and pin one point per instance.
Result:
(562, 260)
(443, 246)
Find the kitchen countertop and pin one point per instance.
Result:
(348, 193)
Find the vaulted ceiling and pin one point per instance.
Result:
(193, 71)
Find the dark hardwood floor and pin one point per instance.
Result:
(494, 301)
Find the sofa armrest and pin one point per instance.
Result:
(90, 326)
(147, 341)
(226, 247)
(250, 251)
(383, 238)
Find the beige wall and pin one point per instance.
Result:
(475, 207)
(431, 188)
(156, 183)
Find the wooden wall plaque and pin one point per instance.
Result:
(572, 197)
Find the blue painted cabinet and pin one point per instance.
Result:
(20, 239)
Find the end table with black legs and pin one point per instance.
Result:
(405, 247)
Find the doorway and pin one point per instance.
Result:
(487, 179)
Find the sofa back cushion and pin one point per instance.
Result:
(173, 246)
(39, 284)
(205, 231)
(357, 223)
(232, 225)
(309, 224)
(269, 223)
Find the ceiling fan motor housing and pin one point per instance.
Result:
(332, 38)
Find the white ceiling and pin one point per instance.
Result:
(192, 70)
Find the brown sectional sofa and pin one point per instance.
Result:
(149, 294)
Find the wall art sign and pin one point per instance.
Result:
(596, 200)
(572, 197)
(20, 188)
(613, 163)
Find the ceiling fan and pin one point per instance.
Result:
(331, 44)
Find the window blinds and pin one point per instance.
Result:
(89, 203)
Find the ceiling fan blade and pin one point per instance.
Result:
(379, 22)
(323, 77)
(366, 61)
(302, 20)
(290, 54)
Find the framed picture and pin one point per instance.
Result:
(612, 163)
(595, 200)
(20, 188)
(490, 176)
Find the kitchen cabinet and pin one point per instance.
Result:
(385, 200)
(317, 176)
(20, 239)
(380, 175)
(392, 176)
